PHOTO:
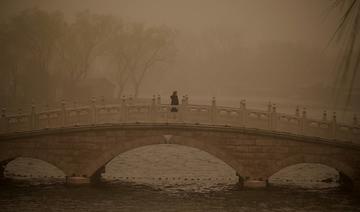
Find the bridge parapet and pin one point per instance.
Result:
(153, 111)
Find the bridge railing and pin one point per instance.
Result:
(155, 112)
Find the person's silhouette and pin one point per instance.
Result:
(174, 101)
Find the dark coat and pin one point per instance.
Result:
(174, 101)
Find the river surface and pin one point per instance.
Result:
(170, 177)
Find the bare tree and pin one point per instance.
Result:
(81, 43)
(348, 33)
(138, 49)
(28, 42)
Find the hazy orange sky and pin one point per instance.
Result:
(306, 21)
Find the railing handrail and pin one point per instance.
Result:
(155, 112)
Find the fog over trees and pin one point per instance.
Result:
(45, 57)
(257, 50)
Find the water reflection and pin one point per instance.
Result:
(174, 167)
(132, 197)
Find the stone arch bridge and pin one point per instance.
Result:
(256, 144)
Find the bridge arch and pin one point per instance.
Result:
(43, 159)
(98, 165)
(347, 174)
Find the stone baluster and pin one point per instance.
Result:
(213, 111)
(355, 121)
(63, 114)
(269, 112)
(333, 126)
(18, 120)
(297, 111)
(77, 117)
(124, 110)
(269, 107)
(324, 118)
(303, 121)
(102, 101)
(4, 121)
(158, 99)
(274, 118)
(152, 111)
(243, 113)
(33, 117)
(93, 111)
(47, 112)
(130, 100)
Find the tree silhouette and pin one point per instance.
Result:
(347, 33)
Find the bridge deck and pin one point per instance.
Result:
(261, 121)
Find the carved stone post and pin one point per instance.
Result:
(33, 117)
(183, 109)
(18, 121)
(153, 109)
(303, 122)
(213, 111)
(4, 122)
(243, 112)
(355, 120)
(63, 114)
(93, 111)
(47, 112)
(355, 124)
(324, 118)
(158, 100)
(297, 111)
(269, 111)
(333, 126)
(274, 118)
(123, 115)
(186, 99)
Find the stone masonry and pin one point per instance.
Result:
(82, 152)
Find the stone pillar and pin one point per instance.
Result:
(303, 122)
(324, 118)
(274, 118)
(63, 113)
(77, 180)
(333, 126)
(3, 121)
(269, 110)
(355, 121)
(297, 111)
(2, 170)
(152, 111)
(158, 100)
(123, 109)
(93, 111)
(33, 118)
(213, 111)
(183, 109)
(243, 112)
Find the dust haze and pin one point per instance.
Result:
(258, 50)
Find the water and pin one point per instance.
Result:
(171, 178)
(129, 197)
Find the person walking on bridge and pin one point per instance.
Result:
(174, 101)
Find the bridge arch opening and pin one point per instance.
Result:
(310, 176)
(171, 166)
(32, 170)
